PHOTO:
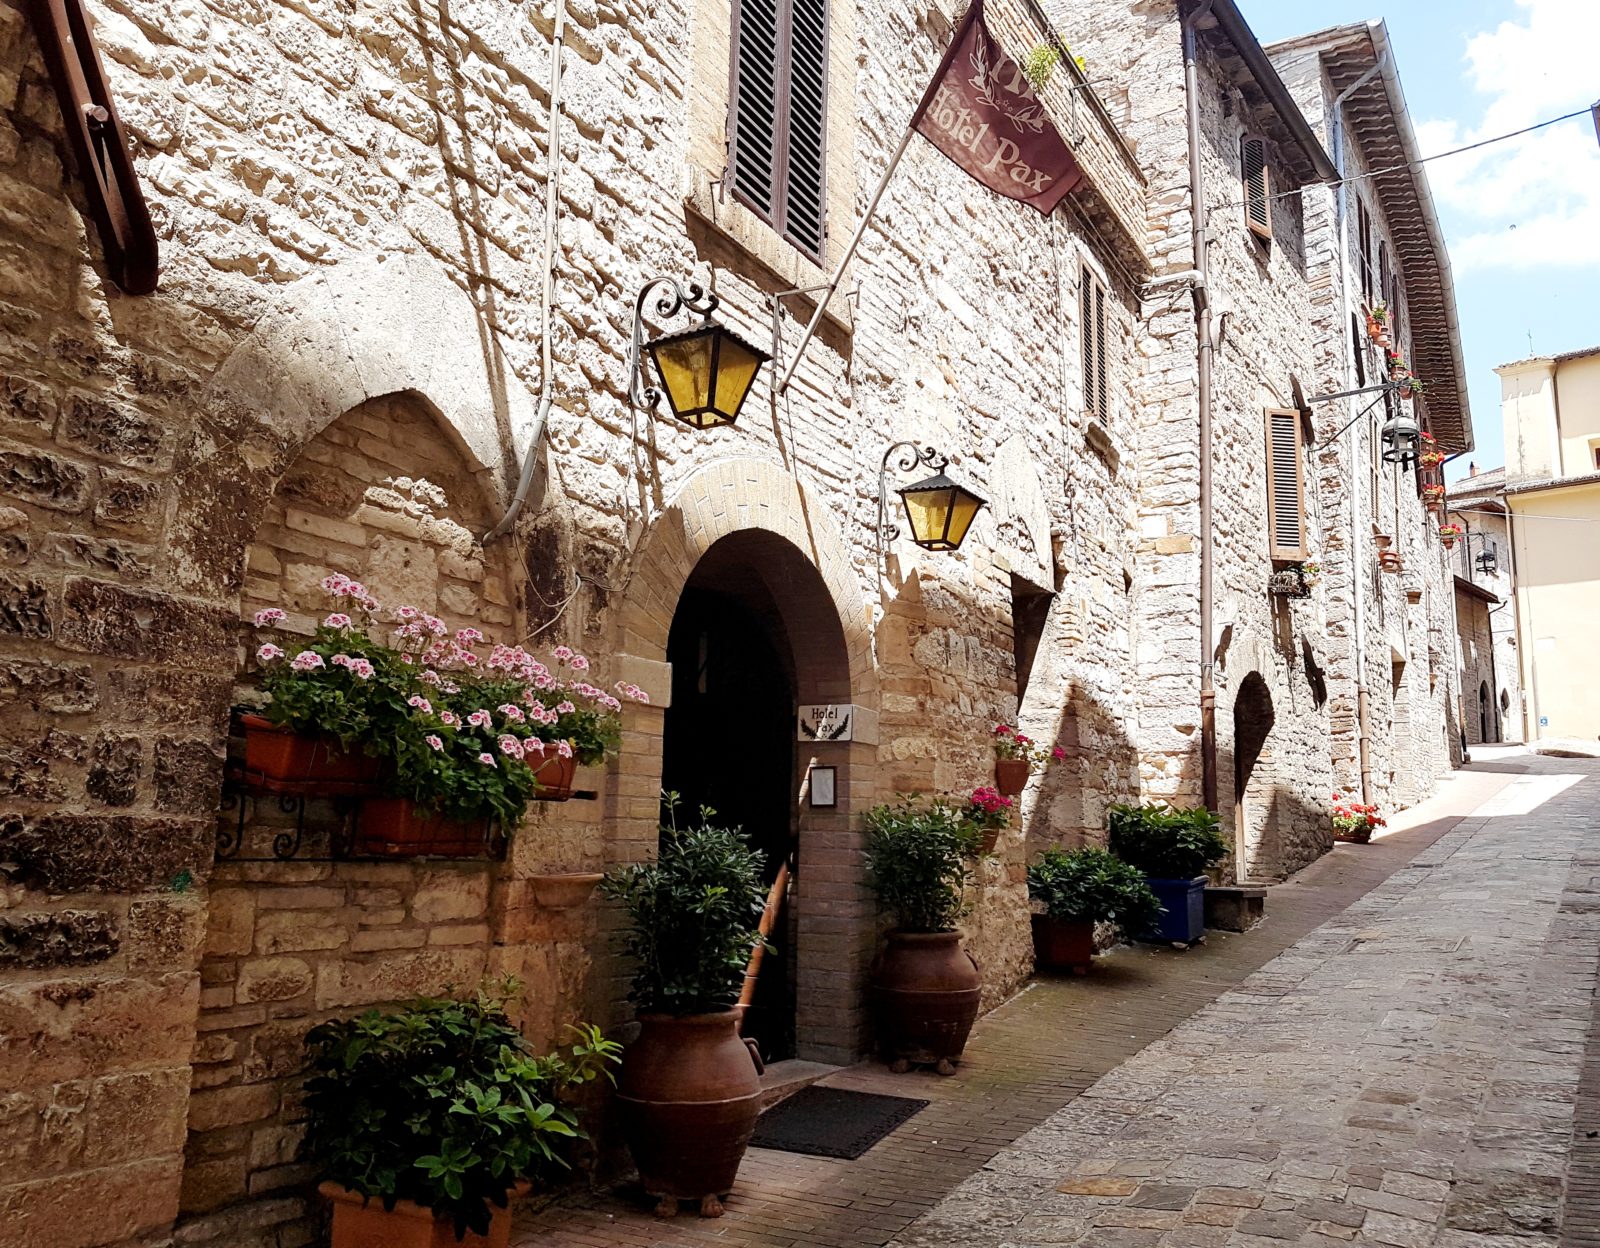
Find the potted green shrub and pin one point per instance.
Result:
(690, 1089)
(1173, 847)
(426, 1119)
(925, 987)
(1075, 889)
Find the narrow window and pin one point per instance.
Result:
(779, 116)
(1358, 344)
(1286, 512)
(1383, 287)
(1092, 337)
(1030, 609)
(1364, 233)
(1257, 186)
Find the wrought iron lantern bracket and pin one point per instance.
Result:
(677, 297)
(906, 456)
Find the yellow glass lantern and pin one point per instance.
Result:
(940, 512)
(706, 373)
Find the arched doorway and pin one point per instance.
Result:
(1253, 716)
(1486, 732)
(754, 635)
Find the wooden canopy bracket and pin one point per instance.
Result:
(99, 142)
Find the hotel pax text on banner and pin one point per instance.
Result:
(981, 113)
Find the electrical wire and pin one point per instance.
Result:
(1423, 160)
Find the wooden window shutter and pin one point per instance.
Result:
(804, 205)
(778, 116)
(1286, 511)
(1257, 186)
(1092, 337)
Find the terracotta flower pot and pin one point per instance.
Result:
(689, 1094)
(1354, 836)
(396, 827)
(989, 838)
(360, 1223)
(1011, 776)
(1063, 944)
(554, 777)
(315, 760)
(925, 991)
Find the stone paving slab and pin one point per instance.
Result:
(1405, 1075)
(1035, 1055)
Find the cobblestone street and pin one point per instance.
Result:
(1392, 1058)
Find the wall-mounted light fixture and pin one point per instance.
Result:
(705, 371)
(1402, 440)
(939, 511)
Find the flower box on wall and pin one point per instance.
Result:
(396, 827)
(312, 763)
(1289, 583)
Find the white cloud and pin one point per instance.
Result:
(1531, 202)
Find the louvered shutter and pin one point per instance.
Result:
(803, 190)
(778, 117)
(1286, 515)
(1257, 186)
(1092, 338)
(755, 104)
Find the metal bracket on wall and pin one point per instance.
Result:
(99, 143)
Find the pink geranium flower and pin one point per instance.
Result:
(565, 708)
(510, 746)
(579, 663)
(479, 719)
(337, 619)
(268, 652)
(449, 719)
(434, 741)
(418, 702)
(564, 748)
(268, 615)
(306, 661)
(487, 759)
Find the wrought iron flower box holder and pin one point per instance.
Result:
(1290, 583)
(333, 841)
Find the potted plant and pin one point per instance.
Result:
(989, 811)
(925, 986)
(1448, 532)
(1016, 756)
(1075, 889)
(1355, 821)
(1391, 561)
(427, 1118)
(1433, 497)
(690, 1090)
(464, 739)
(1173, 848)
(1378, 323)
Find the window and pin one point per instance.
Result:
(779, 116)
(1383, 286)
(1358, 345)
(1092, 336)
(1594, 453)
(1257, 186)
(1364, 236)
(1286, 509)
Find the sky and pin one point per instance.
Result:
(1522, 217)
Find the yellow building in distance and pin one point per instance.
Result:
(1551, 409)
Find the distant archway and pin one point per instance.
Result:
(1255, 847)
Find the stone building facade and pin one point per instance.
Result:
(349, 362)
(1486, 613)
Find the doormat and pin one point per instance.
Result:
(832, 1122)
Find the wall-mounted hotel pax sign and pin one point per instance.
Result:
(99, 143)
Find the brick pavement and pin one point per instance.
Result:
(1026, 1061)
(1405, 1075)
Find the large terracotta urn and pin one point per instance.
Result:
(689, 1095)
(925, 991)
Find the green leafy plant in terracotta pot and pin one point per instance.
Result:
(690, 1089)
(925, 987)
(1075, 889)
(426, 1119)
(1173, 847)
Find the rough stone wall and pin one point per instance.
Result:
(1411, 691)
(1475, 657)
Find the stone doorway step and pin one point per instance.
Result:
(1026, 1060)
(783, 1079)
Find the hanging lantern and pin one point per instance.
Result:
(706, 373)
(940, 512)
(1402, 440)
(1487, 562)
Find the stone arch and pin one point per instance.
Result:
(770, 520)
(393, 325)
(733, 496)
